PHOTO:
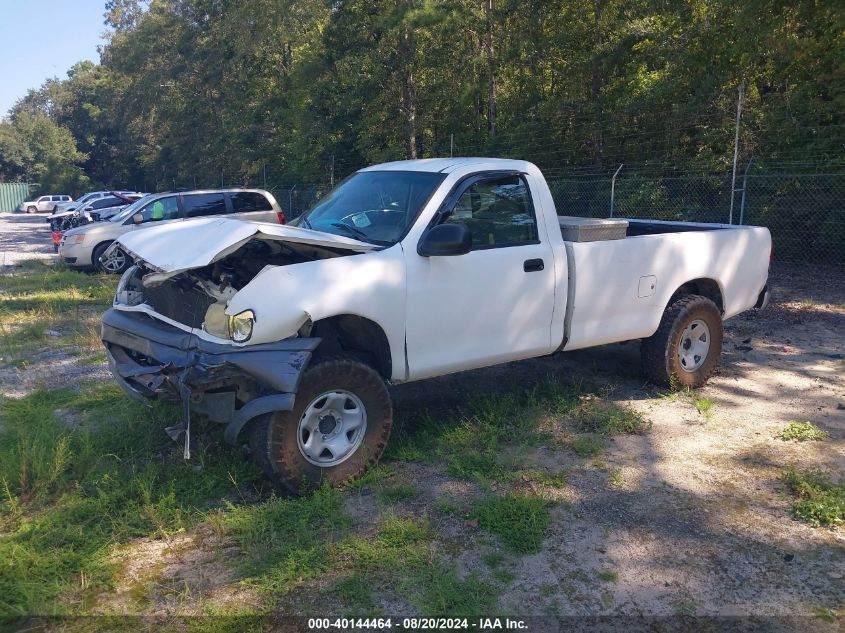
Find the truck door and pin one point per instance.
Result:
(493, 304)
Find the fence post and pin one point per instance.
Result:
(744, 188)
(736, 148)
(613, 187)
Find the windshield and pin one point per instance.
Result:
(87, 197)
(372, 206)
(132, 208)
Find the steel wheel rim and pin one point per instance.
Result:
(694, 346)
(331, 428)
(115, 261)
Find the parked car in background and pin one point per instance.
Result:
(88, 198)
(95, 211)
(84, 246)
(44, 204)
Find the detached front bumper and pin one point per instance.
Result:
(151, 359)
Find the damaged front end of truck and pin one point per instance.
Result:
(170, 336)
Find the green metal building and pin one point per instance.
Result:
(12, 194)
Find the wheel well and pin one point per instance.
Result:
(359, 336)
(704, 287)
(105, 243)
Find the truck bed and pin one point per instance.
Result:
(618, 288)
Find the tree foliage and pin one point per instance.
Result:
(192, 91)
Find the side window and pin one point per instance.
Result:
(245, 201)
(44, 199)
(104, 203)
(56, 199)
(161, 209)
(498, 212)
(204, 204)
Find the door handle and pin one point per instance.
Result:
(532, 265)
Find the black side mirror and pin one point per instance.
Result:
(445, 239)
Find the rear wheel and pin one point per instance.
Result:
(686, 348)
(116, 263)
(338, 428)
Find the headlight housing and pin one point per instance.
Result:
(240, 326)
(76, 239)
(216, 320)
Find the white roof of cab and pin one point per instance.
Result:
(446, 165)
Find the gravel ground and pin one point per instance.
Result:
(24, 236)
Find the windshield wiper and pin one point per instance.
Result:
(352, 229)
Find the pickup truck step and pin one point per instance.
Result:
(575, 229)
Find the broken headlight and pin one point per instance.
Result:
(216, 320)
(240, 326)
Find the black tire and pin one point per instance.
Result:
(273, 438)
(31, 209)
(98, 265)
(661, 363)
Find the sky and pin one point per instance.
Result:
(40, 39)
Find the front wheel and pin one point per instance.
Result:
(116, 263)
(31, 209)
(686, 348)
(338, 428)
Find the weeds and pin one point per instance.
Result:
(703, 405)
(50, 304)
(396, 493)
(819, 501)
(588, 444)
(70, 493)
(438, 590)
(518, 520)
(803, 432)
(607, 575)
(355, 594)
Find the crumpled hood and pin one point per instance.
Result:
(186, 244)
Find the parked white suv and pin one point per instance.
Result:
(84, 246)
(44, 204)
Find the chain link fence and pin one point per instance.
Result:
(804, 212)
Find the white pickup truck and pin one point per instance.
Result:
(405, 271)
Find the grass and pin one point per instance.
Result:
(71, 493)
(355, 594)
(802, 432)
(437, 590)
(50, 306)
(547, 479)
(477, 442)
(818, 501)
(396, 493)
(587, 444)
(703, 405)
(607, 575)
(518, 520)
